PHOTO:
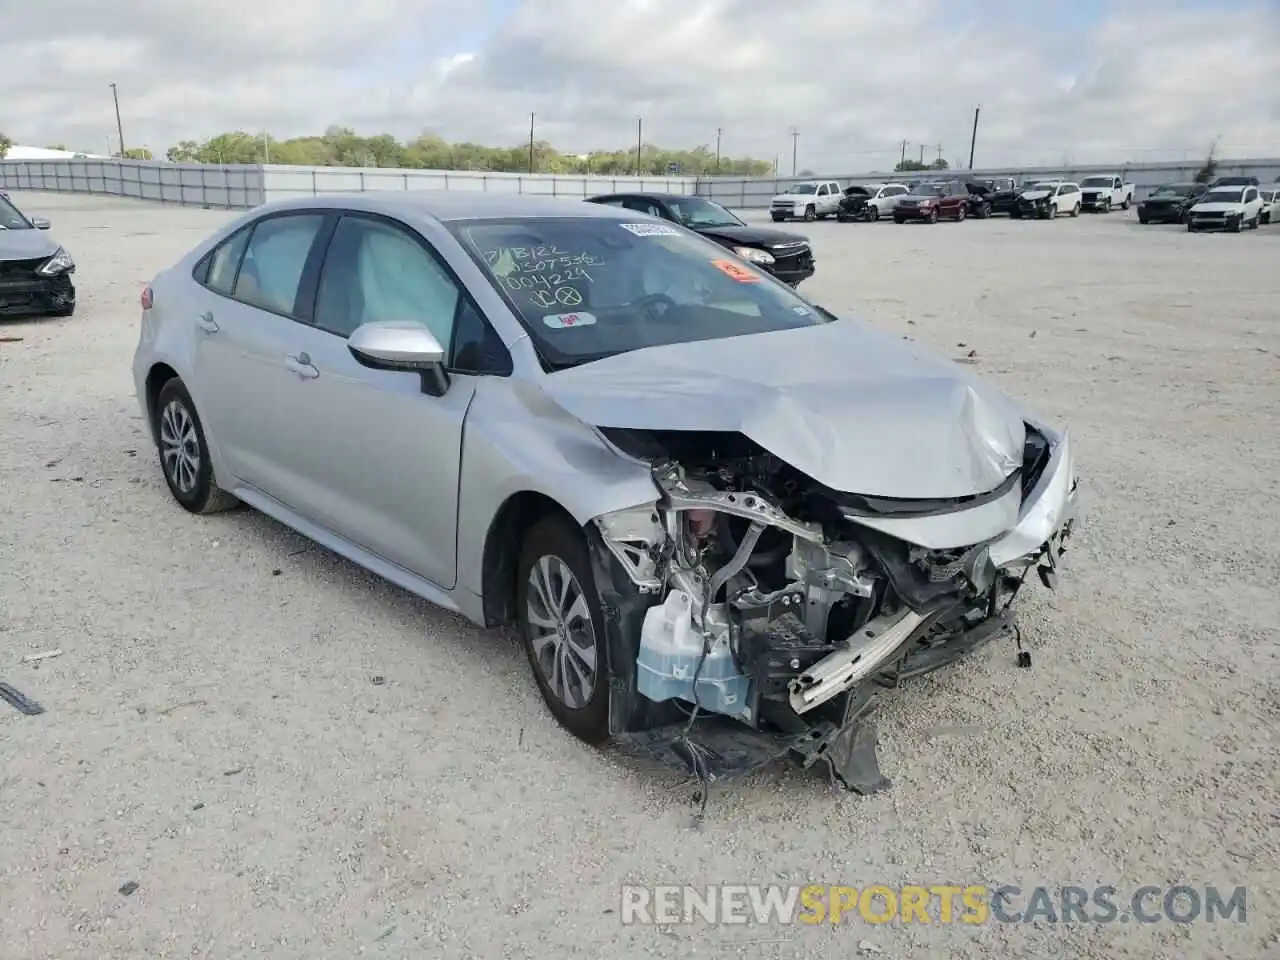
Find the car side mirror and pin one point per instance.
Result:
(40, 223)
(401, 345)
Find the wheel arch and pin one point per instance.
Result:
(159, 374)
(507, 531)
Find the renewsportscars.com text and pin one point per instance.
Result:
(942, 903)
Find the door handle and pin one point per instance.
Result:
(301, 365)
(206, 323)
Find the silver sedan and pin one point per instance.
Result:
(719, 517)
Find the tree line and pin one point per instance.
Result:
(343, 147)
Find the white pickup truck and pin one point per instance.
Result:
(1103, 193)
(812, 200)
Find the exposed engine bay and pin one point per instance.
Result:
(771, 602)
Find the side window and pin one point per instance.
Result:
(374, 272)
(612, 202)
(273, 261)
(222, 263)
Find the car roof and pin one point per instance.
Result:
(449, 205)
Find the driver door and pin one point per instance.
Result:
(381, 460)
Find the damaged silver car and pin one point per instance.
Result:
(721, 518)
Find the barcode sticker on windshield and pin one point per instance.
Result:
(563, 321)
(651, 229)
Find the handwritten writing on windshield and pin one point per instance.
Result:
(542, 267)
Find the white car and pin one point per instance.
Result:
(1270, 200)
(884, 197)
(812, 200)
(1227, 208)
(1047, 199)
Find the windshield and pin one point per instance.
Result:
(588, 287)
(931, 190)
(10, 218)
(802, 188)
(1173, 190)
(1097, 182)
(1222, 196)
(696, 212)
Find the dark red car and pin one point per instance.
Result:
(934, 201)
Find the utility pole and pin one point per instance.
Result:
(795, 147)
(718, 132)
(266, 146)
(939, 151)
(639, 142)
(904, 155)
(115, 95)
(973, 142)
(531, 143)
(922, 154)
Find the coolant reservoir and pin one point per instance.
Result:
(670, 649)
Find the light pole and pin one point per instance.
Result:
(639, 142)
(795, 147)
(115, 95)
(718, 132)
(531, 143)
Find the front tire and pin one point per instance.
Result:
(873, 213)
(961, 214)
(810, 214)
(184, 452)
(1142, 219)
(933, 217)
(561, 624)
(775, 218)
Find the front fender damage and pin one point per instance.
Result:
(753, 614)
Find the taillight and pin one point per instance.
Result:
(148, 298)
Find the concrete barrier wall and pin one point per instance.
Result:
(243, 186)
(747, 194)
(192, 184)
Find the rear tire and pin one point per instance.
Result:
(1075, 211)
(563, 642)
(184, 452)
(1126, 203)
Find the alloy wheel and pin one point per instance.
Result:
(179, 446)
(561, 632)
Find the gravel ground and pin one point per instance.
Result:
(213, 734)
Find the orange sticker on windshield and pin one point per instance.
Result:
(737, 271)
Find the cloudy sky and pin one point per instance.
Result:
(1058, 80)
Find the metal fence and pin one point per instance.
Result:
(190, 184)
(292, 181)
(243, 186)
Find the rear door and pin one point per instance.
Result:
(378, 459)
(252, 284)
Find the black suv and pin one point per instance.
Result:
(1170, 203)
(785, 255)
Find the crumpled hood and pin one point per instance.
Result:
(26, 244)
(1035, 194)
(857, 409)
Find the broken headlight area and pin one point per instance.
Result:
(771, 616)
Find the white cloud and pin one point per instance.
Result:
(855, 76)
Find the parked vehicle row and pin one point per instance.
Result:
(1247, 204)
